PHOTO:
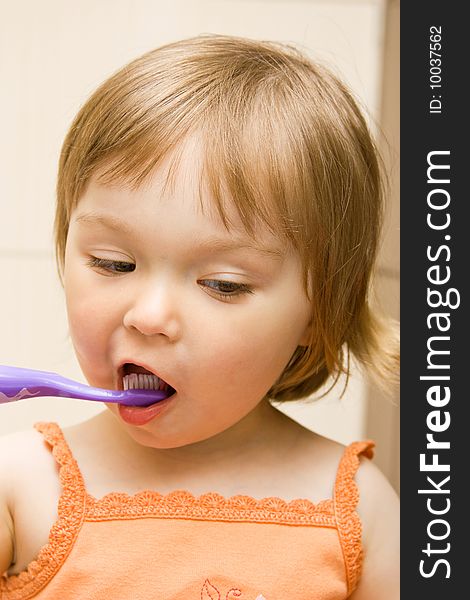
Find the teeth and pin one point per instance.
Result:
(141, 381)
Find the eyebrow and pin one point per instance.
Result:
(209, 244)
(108, 221)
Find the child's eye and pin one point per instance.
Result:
(111, 266)
(225, 290)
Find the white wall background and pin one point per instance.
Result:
(53, 54)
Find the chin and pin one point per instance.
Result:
(159, 442)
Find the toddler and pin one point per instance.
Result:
(218, 216)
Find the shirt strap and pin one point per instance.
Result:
(346, 498)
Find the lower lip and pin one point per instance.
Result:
(138, 415)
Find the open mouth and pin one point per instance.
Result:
(136, 377)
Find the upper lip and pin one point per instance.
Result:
(138, 364)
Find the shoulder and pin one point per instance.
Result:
(24, 450)
(6, 508)
(334, 464)
(375, 491)
(22, 453)
(26, 469)
(378, 509)
(378, 505)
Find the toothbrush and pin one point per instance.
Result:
(18, 384)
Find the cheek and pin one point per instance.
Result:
(249, 354)
(90, 325)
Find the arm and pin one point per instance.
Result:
(379, 512)
(6, 521)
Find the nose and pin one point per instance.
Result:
(153, 311)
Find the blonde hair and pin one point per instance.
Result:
(284, 139)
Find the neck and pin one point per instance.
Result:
(240, 441)
(253, 437)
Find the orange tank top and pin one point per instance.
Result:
(181, 547)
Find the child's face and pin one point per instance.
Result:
(205, 309)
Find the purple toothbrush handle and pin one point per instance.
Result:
(18, 383)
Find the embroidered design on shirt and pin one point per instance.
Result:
(210, 592)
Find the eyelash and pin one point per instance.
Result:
(107, 265)
(237, 289)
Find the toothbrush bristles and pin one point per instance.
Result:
(143, 381)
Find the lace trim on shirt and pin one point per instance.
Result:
(71, 510)
(346, 498)
(210, 507)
